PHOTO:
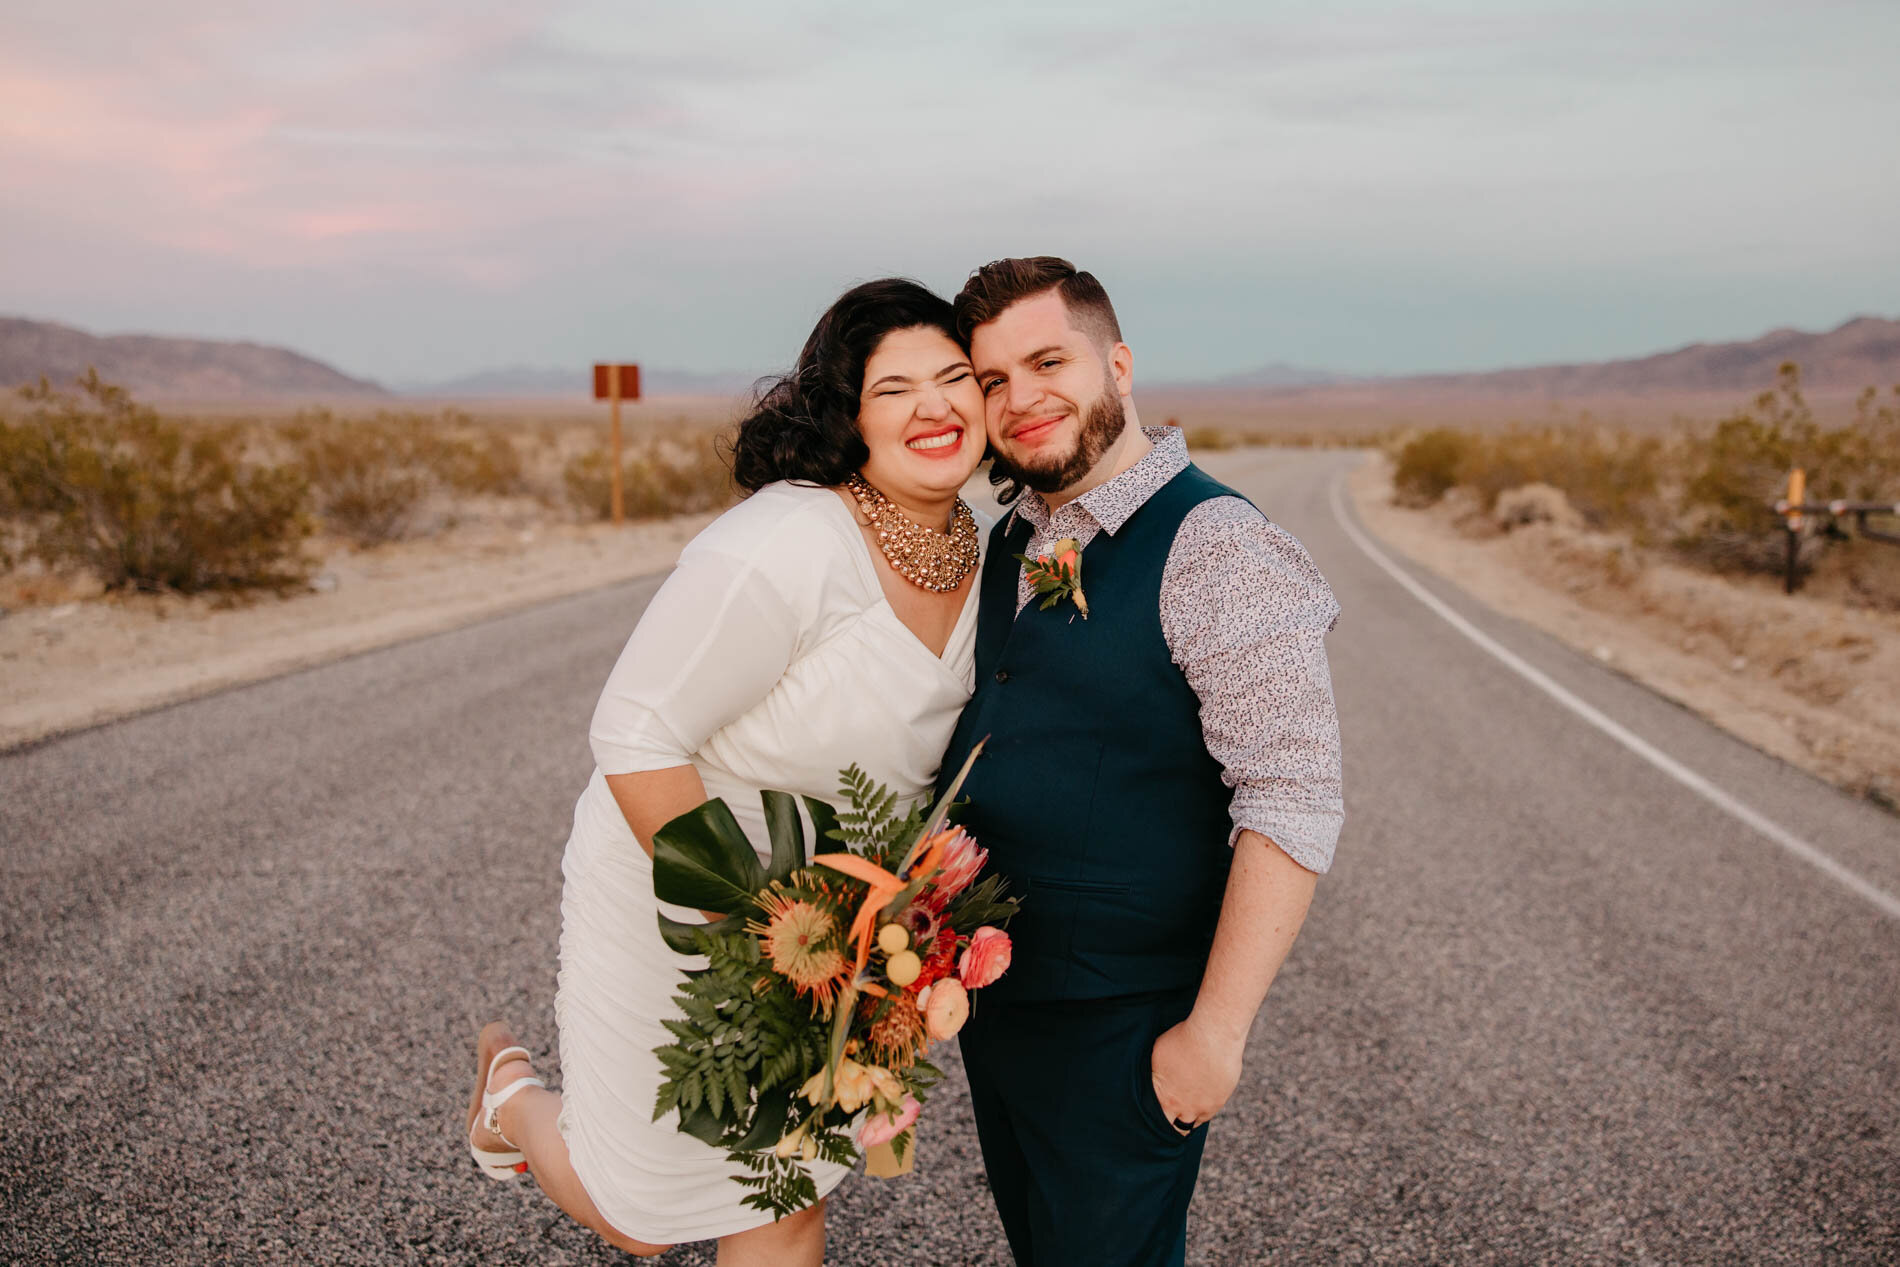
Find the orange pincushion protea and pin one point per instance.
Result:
(898, 1035)
(800, 939)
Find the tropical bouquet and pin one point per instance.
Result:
(804, 1035)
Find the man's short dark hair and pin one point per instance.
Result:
(998, 284)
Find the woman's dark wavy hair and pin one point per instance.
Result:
(804, 426)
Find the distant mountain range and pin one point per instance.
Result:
(156, 367)
(1278, 375)
(1862, 352)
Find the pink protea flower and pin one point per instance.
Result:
(922, 921)
(882, 1128)
(986, 959)
(963, 859)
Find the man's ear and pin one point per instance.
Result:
(1121, 368)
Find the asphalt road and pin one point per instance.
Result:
(1550, 1005)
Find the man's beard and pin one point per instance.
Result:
(1102, 425)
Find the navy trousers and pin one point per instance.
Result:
(1082, 1161)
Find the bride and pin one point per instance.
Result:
(829, 618)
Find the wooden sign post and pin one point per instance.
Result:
(617, 383)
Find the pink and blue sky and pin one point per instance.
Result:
(414, 190)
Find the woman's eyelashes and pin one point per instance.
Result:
(951, 381)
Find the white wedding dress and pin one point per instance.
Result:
(769, 659)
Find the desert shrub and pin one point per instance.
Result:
(1209, 438)
(657, 480)
(1535, 503)
(1429, 465)
(95, 481)
(372, 477)
(1610, 478)
(1738, 468)
(369, 475)
(1707, 490)
(467, 459)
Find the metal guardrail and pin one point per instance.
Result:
(1794, 507)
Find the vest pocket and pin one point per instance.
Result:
(1079, 886)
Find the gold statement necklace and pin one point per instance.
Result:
(932, 560)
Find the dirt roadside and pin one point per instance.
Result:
(1809, 680)
(78, 663)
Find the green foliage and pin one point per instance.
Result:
(922, 1077)
(1055, 581)
(782, 1184)
(1735, 471)
(96, 481)
(746, 1042)
(656, 480)
(873, 826)
(786, 833)
(982, 903)
(739, 1056)
(718, 1045)
(790, 1050)
(702, 858)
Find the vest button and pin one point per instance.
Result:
(1002, 675)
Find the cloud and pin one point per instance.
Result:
(698, 182)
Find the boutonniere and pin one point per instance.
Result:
(1058, 575)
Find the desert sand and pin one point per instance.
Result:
(1805, 678)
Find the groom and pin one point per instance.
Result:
(1161, 783)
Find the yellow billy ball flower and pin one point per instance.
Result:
(903, 968)
(892, 938)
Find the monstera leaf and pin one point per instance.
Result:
(824, 824)
(683, 936)
(786, 832)
(702, 1124)
(703, 859)
(768, 1120)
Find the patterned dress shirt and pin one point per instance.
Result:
(1245, 614)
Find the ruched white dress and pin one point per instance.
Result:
(769, 659)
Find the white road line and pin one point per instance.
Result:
(1884, 901)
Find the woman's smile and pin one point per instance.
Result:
(943, 442)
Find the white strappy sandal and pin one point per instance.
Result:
(496, 1164)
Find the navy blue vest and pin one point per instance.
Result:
(1095, 794)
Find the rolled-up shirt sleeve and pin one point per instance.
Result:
(715, 639)
(1246, 613)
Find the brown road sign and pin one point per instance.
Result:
(628, 383)
(616, 383)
